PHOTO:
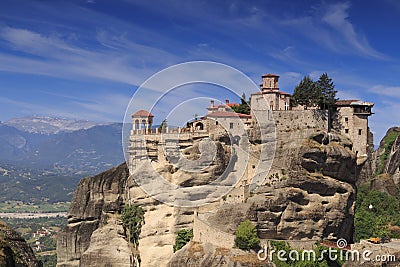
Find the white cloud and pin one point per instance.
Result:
(391, 91)
(56, 57)
(106, 106)
(35, 43)
(384, 118)
(331, 27)
(337, 17)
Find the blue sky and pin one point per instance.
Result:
(84, 59)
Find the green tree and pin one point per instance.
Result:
(133, 219)
(306, 93)
(246, 236)
(48, 260)
(327, 96)
(327, 91)
(163, 126)
(182, 238)
(243, 108)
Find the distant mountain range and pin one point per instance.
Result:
(50, 125)
(43, 149)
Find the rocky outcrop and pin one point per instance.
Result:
(384, 183)
(386, 158)
(95, 236)
(197, 254)
(14, 251)
(309, 194)
(108, 246)
(95, 202)
(313, 199)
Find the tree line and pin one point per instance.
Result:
(320, 93)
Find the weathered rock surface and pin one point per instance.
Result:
(380, 255)
(14, 251)
(313, 200)
(94, 235)
(309, 194)
(158, 233)
(196, 254)
(390, 165)
(384, 183)
(95, 200)
(108, 247)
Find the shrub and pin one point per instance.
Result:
(133, 219)
(246, 236)
(375, 222)
(182, 238)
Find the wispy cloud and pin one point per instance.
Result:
(109, 107)
(28, 109)
(391, 91)
(337, 17)
(37, 44)
(384, 118)
(331, 27)
(53, 56)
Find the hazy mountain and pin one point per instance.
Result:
(38, 154)
(50, 125)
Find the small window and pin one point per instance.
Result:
(216, 122)
(346, 119)
(346, 131)
(231, 125)
(359, 131)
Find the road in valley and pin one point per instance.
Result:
(17, 215)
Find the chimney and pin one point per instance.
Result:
(212, 103)
(227, 101)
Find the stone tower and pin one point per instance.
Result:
(269, 83)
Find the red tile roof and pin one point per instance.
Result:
(345, 102)
(228, 114)
(353, 103)
(142, 113)
(233, 104)
(224, 105)
(270, 75)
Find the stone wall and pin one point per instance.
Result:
(293, 120)
(237, 195)
(205, 233)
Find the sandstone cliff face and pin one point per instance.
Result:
(309, 194)
(95, 236)
(386, 159)
(310, 197)
(108, 246)
(93, 232)
(14, 251)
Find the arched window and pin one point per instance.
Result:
(199, 126)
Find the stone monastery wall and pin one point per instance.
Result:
(288, 120)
